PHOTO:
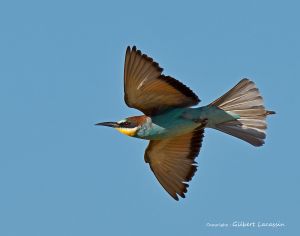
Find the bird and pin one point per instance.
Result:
(175, 127)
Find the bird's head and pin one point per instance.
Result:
(128, 126)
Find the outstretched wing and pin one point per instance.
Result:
(148, 90)
(173, 161)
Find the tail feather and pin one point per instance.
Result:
(244, 100)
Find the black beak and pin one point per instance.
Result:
(109, 124)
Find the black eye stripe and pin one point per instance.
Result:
(125, 124)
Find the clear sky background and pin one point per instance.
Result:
(61, 71)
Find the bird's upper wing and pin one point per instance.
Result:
(148, 90)
(172, 161)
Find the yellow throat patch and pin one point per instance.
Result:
(128, 131)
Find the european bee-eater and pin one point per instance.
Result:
(174, 128)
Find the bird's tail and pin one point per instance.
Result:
(245, 101)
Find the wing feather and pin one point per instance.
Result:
(148, 90)
(173, 161)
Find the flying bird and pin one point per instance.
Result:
(175, 128)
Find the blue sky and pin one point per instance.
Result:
(61, 71)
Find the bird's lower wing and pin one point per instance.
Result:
(173, 161)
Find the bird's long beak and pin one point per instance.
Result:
(109, 124)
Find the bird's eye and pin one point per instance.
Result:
(125, 123)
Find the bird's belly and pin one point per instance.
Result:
(167, 133)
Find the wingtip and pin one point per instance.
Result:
(129, 48)
(245, 79)
(176, 198)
